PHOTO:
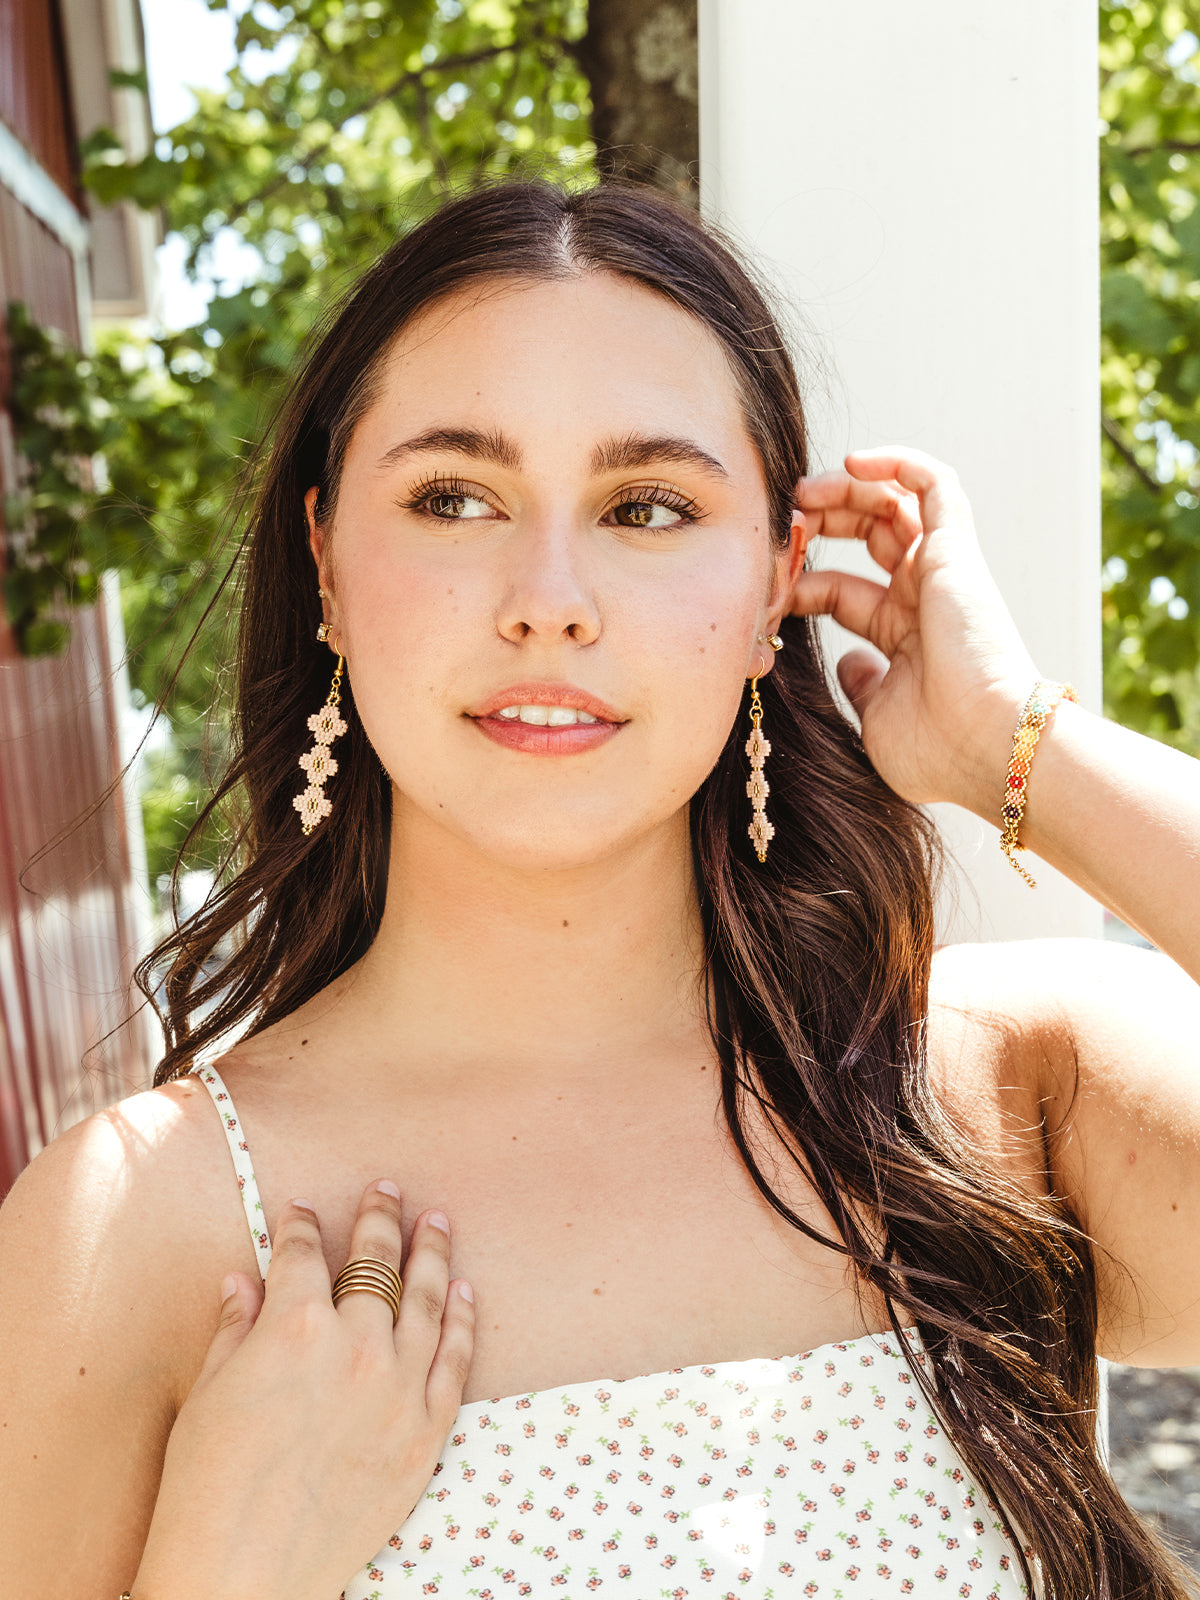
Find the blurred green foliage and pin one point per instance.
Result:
(1150, 373)
(343, 123)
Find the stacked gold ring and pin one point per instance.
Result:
(369, 1275)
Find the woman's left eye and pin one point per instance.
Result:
(654, 510)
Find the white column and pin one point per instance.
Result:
(920, 181)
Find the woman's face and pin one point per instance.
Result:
(552, 510)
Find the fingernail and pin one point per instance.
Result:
(305, 1205)
(386, 1186)
(228, 1286)
(437, 1220)
(466, 1291)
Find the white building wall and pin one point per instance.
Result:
(921, 182)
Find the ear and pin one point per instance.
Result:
(789, 563)
(316, 536)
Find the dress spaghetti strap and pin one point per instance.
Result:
(240, 1151)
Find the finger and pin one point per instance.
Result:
(241, 1301)
(426, 1280)
(838, 491)
(914, 469)
(298, 1273)
(860, 672)
(452, 1362)
(375, 1235)
(850, 600)
(934, 483)
(885, 545)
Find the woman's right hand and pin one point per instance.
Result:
(312, 1429)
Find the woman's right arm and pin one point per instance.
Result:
(299, 1449)
(86, 1379)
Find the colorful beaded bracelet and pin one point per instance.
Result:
(1041, 703)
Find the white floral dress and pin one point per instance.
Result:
(824, 1474)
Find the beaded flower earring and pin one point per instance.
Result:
(326, 725)
(758, 748)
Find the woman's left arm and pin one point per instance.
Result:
(1110, 1035)
(1115, 811)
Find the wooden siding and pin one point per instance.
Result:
(68, 936)
(36, 268)
(33, 87)
(69, 923)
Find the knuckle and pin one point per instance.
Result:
(418, 1453)
(380, 1207)
(370, 1357)
(426, 1301)
(300, 1242)
(382, 1245)
(302, 1323)
(456, 1363)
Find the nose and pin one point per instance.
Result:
(547, 594)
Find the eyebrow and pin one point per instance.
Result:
(632, 451)
(490, 446)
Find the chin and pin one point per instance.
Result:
(566, 842)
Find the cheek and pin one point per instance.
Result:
(698, 638)
(404, 632)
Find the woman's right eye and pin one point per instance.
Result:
(456, 507)
(449, 501)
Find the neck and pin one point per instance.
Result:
(483, 968)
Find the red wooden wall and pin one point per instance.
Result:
(69, 923)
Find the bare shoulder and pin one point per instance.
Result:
(1051, 1008)
(1101, 1042)
(113, 1243)
(994, 1019)
(137, 1197)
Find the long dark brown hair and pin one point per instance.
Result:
(818, 961)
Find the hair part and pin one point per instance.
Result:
(817, 963)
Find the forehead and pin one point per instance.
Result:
(559, 364)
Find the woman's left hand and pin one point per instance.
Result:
(938, 715)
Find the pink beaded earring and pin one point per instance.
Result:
(761, 829)
(326, 725)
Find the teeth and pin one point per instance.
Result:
(545, 716)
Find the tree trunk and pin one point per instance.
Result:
(641, 61)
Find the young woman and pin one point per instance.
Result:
(789, 1245)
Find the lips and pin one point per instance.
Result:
(564, 696)
(547, 719)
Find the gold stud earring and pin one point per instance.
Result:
(758, 748)
(326, 725)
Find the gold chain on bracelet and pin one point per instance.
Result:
(1041, 703)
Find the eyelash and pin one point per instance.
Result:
(657, 494)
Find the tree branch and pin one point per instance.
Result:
(1125, 450)
(417, 77)
(1172, 146)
